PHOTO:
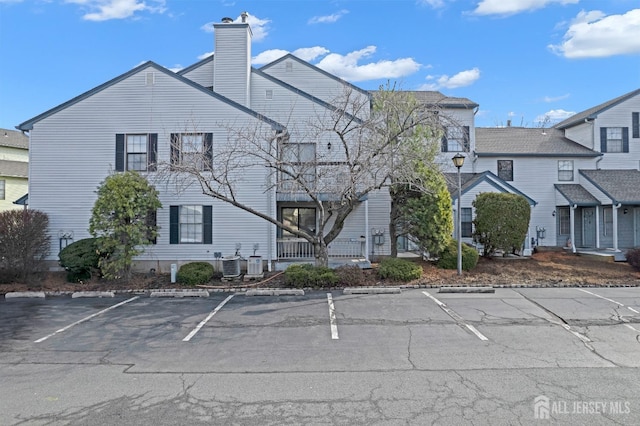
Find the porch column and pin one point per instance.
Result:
(614, 210)
(598, 227)
(572, 225)
(366, 234)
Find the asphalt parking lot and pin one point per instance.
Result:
(517, 334)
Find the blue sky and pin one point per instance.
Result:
(520, 60)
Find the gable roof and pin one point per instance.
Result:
(527, 142)
(576, 194)
(622, 186)
(320, 70)
(19, 169)
(13, 139)
(470, 180)
(435, 98)
(593, 112)
(198, 64)
(28, 125)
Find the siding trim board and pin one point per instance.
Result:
(533, 155)
(492, 180)
(28, 125)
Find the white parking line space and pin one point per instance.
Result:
(332, 318)
(456, 317)
(42, 339)
(204, 321)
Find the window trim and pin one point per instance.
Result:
(564, 220)
(176, 157)
(510, 179)
(604, 141)
(175, 224)
(282, 233)
(3, 189)
(561, 170)
(122, 153)
(466, 227)
(464, 144)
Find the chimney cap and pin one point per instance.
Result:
(227, 20)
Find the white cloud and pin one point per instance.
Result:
(554, 116)
(329, 19)
(549, 99)
(512, 7)
(595, 35)
(461, 79)
(259, 27)
(268, 56)
(104, 10)
(306, 54)
(310, 53)
(205, 55)
(347, 66)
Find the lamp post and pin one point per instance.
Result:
(458, 161)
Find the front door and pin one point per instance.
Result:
(589, 227)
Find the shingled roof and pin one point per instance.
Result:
(14, 168)
(576, 194)
(593, 112)
(437, 99)
(529, 142)
(13, 139)
(622, 186)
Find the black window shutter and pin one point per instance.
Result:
(208, 151)
(625, 139)
(152, 152)
(467, 140)
(174, 224)
(207, 224)
(152, 222)
(603, 139)
(175, 150)
(635, 118)
(120, 152)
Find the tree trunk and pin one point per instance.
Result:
(322, 253)
(393, 232)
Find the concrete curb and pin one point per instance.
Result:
(371, 290)
(467, 290)
(179, 293)
(274, 292)
(25, 295)
(78, 294)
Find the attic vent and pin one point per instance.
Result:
(289, 66)
(150, 78)
(269, 94)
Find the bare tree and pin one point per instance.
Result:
(332, 158)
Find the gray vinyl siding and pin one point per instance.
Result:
(620, 116)
(232, 62)
(73, 150)
(203, 75)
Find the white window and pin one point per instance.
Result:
(191, 224)
(565, 170)
(192, 150)
(455, 139)
(564, 221)
(137, 152)
(299, 164)
(614, 139)
(2, 185)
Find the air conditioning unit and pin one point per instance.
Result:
(231, 266)
(254, 265)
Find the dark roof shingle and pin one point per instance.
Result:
(525, 141)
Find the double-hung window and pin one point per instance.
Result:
(136, 151)
(192, 151)
(614, 139)
(466, 222)
(298, 165)
(190, 224)
(456, 139)
(565, 170)
(2, 188)
(505, 170)
(564, 221)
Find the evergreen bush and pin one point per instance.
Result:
(195, 273)
(399, 269)
(633, 258)
(307, 275)
(80, 259)
(449, 257)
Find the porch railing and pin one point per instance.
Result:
(298, 248)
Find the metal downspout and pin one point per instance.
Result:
(572, 221)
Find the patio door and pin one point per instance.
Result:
(589, 227)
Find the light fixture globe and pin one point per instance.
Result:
(458, 160)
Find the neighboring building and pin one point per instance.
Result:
(14, 168)
(142, 117)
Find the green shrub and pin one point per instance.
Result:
(449, 257)
(633, 258)
(195, 273)
(351, 275)
(399, 269)
(306, 275)
(80, 259)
